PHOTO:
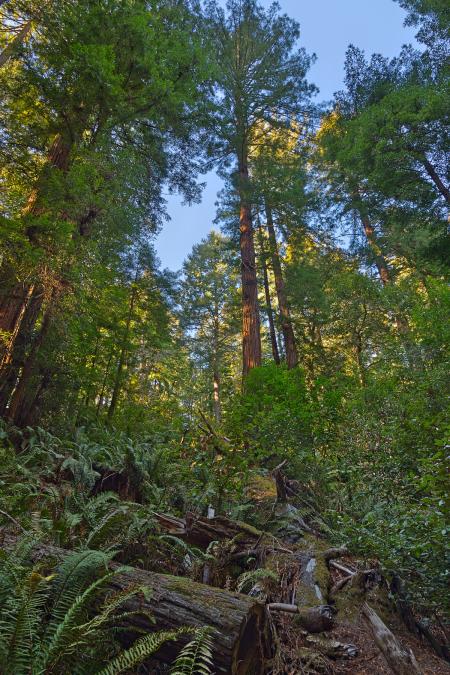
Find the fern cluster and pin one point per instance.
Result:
(48, 623)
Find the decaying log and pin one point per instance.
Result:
(333, 649)
(202, 531)
(312, 619)
(316, 619)
(401, 660)
(242, 637)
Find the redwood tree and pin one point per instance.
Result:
(261, 86)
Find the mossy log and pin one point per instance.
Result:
(242, 637)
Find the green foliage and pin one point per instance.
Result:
(196, 657)
(272, 417)
(47, 622)
(247, 580)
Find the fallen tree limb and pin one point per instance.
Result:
(312, 619)
(342, 568)
(401, 660)
(242, 636)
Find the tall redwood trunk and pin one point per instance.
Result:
(217, 406)
(12, 311)
(15, 307)
(285, 312)
(20, 407)
(251, 336)
(14, 359)
(272, 331)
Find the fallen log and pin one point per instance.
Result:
(241, 624)
(202, 531)
(401, 660)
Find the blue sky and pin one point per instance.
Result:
(327, 28)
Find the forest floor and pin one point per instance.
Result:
(310, 576)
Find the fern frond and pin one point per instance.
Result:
(24, 621)
(247, 580)
(73, 574)
(69, 632)
(196, 657)
(141, 650)
(184, 546)
(107, 528)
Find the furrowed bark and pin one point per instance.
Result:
(251, 338)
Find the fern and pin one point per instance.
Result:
(107, 529)
(196, 657)
(141, 650)
(73, 575)
(247, 580)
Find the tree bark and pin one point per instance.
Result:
(251, 337)
(272, 330)
(400, 660)
(123, 355)
(20, 407)
(15, 43)
(242, 627)
(23, 303)
(217, 407)
(379, 259)
(285, 312)
(433, 174)
(12, 312)
(15, 357)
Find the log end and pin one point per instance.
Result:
(255, 645)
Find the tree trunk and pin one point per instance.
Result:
(123, 355)
(19, 313)
(20, 407)
(285, 312)
(105, 379)
(382, 267)
(433, 174)
(379, 259)
(217, 408)
(400, 660)
(216, 395)
(12, 312)
(242, 639)
(251, 338)
(15, 357)
(272, 331)
(15, 43)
